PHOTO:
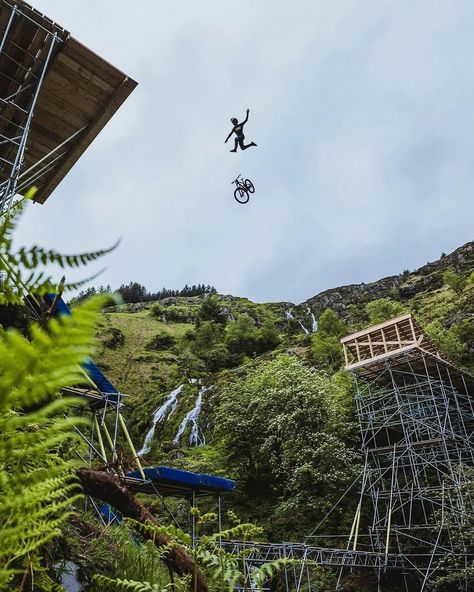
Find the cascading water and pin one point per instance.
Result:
(193, 417)
(314, 322)
(289, 317)
(168, 407)
(303, 327)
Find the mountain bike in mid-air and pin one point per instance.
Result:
(243, 188)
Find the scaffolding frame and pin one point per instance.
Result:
(55, 97)
(22, 70)
(416, 423)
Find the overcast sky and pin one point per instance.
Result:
(363, 115)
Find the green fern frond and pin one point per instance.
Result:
(37, 487)
(108, 584)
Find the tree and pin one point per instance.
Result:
(454, 280)
(382, 310)
(133, 292)
(326, 346)
(211, 310)
(242, 335)
(277, 423)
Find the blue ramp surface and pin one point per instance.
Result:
(178, 483)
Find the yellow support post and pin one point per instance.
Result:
(107, 435)
(132, 447)
(99, 438)
(356, 534)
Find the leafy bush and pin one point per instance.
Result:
(241, 335)
(157, 310)
(275, 423)
(160, 341)
(448, 341)
(382, 310)
(211, 310)
(177, 314)
(326, 346)
(114, 339)
(454, 280)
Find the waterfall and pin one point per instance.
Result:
(193, 417)
(288, 315)
(314, 322)
(167, 408)
(303, 327)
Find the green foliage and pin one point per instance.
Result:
(157, 310)
(382, 310)
(243, 336)
(36, 482)
(160, 341)
(460, 525)
(470, 279)
(177, 314)
(136, 565)
(115, 338)
(326, 346)
(225, 571)
(448, 341)
(19, 271)
(454, 280)
(278, 426)
(211, 310)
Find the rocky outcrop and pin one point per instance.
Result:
(404, 286)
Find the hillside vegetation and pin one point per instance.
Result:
(279, 414)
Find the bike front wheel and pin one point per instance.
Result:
(249, 186)
(241, 195)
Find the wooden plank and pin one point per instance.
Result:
(85, 73)
(85, 140)
(47, 111)
(91, 62)
(64, 76)
(375, 327)
(79, 104)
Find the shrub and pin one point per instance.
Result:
(454, 280)
(326, 346)
(160, 341)
(114, 339)
(382, 310)
(210, 310)
(177, 314)
(157, 310)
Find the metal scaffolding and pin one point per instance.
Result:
(55, 97)
(417, 424)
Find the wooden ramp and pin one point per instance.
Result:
(56, 95)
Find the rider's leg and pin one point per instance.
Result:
(235, 145)
(245, 146)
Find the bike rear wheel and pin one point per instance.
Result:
(241, 195)
(249, 186)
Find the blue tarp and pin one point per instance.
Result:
(97, 377)
(185, 480)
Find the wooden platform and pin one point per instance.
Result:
(402, 342)
(79, 94)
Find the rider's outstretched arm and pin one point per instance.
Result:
(246, 118)
(229, 136)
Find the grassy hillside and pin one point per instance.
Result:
(148, 349)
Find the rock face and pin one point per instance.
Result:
(406, 285)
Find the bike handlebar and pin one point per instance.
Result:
(236, 179)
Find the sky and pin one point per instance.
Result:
(363, 115)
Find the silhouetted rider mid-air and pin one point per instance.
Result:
(238, 130)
